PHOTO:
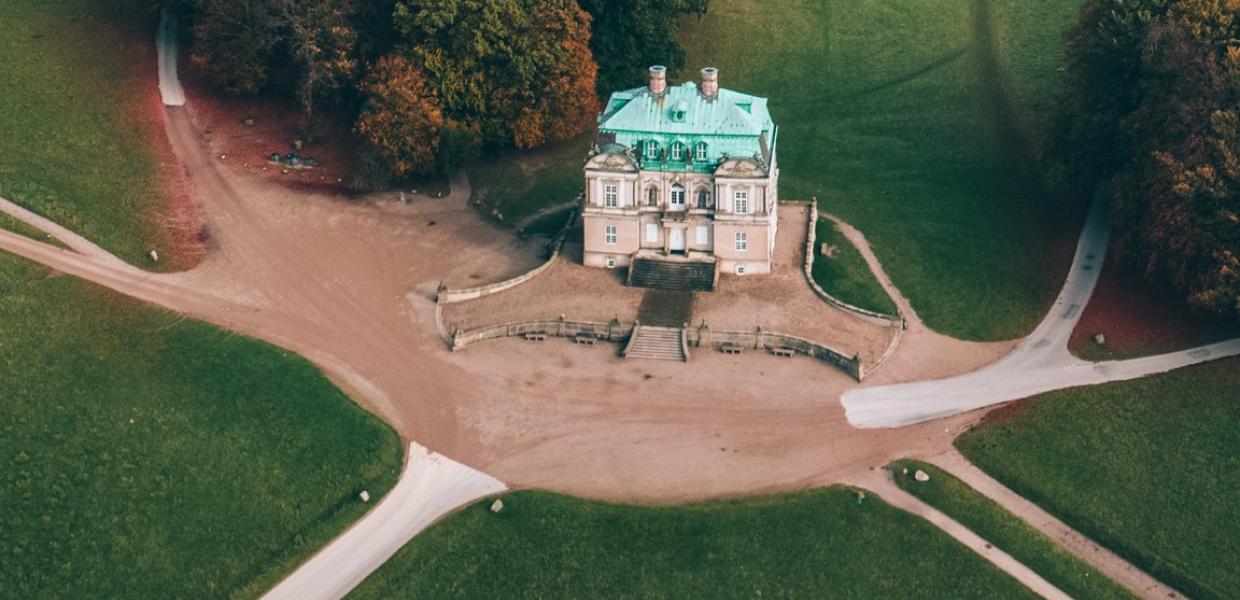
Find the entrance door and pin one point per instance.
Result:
(676, 239)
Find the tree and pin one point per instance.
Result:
(1155, 106)
(401, 118)
(631, 35)
(520, 71)
(234, 41)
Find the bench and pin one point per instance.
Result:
(584, 339)
(783, 352)
(535, 336)
(730, 348)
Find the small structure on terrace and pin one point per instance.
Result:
(682, 176)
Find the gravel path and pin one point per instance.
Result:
(1108, 563)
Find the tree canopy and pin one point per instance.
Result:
(1155, 106)
(631, 35)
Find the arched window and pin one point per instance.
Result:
(652, 149)
(703, 197)
(652, 196)
(699, 151)
(678, 197)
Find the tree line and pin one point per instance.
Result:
(1154, 108)
(433, 83)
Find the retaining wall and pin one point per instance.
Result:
(811, 238)
(760, 340)
(615, 331)
(447, 296)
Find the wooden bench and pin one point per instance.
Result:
(535, 336)
(730, 348)
(783, 352)
(584, 339)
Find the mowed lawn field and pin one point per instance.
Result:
(142, 454)
(917, 122)
(809, 544)
(844, 274)
(1147, 468)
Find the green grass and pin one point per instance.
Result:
(66, 76)
(145, 455)
(549, 225)
(12, 224)
(901, 122)
(1147, 468)
(520, 184)
(802, 545)
(997, 526)
(845, 274)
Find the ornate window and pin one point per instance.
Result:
(742, 241)
(609, 235)
(678, 197)
(740, 202)
(703, 198)
(611, 195)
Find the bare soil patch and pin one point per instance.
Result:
(1139, 318)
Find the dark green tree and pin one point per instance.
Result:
(631, 35)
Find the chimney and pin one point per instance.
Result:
(710, 82)
(658, 80)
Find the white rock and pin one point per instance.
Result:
(365, 496)
(921, 475)
(154, 256)
(1100, 339)
(497, 506)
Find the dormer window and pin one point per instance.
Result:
(680, 111)
(678, 151)
(699, 151)
(652, 150)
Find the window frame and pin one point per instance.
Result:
(678, 151)
(699, 151)
(611, 195)
(611, 235)
(652, 150)
(740, 200)
(742, 241)
(671, 200)
(703, 235)
(652, 228)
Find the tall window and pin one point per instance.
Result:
(703, 235)
(678, 197)
(742, 241)
(703, 200)
(611, 195)
(609, 234)
(740, 202)
(652, 150)
(652, 233)
(699, 151)
(678, 151)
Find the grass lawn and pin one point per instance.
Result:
(519, 184)
(1147, 468)
(845, 275)
(911, 120)
(997, 526)
(67, 74)
(147, 455)
(807, 544)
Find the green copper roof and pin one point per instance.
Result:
(730, 113)
(730, 125)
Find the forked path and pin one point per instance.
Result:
(1041, 363)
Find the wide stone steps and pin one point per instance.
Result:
(678, 276)
(656, 343)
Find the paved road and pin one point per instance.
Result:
(1041, 364)
(430, 487)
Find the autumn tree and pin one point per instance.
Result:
(1155, 107)
(631, 35)
(520, 71)
(234, 41)
(402, 120)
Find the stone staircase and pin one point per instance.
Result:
(656, 343)
(668, 275)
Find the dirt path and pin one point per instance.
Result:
(1108, 563)
(879, 481)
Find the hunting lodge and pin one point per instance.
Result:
(682, 174)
